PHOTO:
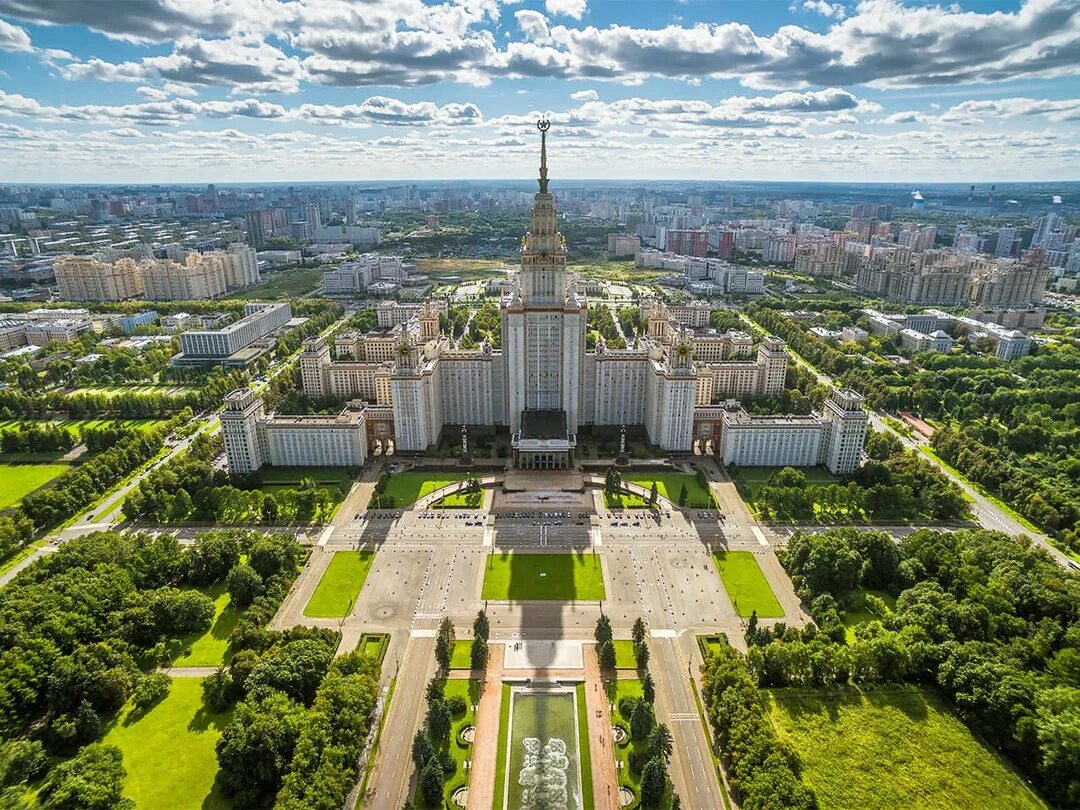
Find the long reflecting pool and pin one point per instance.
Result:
(544, 765)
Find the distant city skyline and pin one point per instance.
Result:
(884, 91)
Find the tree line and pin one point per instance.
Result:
(894, 484)
(650, 742)
(190, 489)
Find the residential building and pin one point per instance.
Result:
(84, 278)
(357, 276)
(620, 245)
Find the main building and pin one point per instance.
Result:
(543, 384)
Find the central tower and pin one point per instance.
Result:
(543, 322)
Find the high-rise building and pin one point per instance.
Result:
(256, 234)
(1046, 226)
(83, 278)
(687, 242)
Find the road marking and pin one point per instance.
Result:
(329, 530)
(664, 633)
(423, 633)
(760, 535)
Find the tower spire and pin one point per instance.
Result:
(543, 125)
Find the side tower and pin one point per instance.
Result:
(845, 431)
(245, 442)
(315, 367)
(773, 359)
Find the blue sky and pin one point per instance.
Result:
(294, 90)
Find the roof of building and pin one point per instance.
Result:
(543, 424)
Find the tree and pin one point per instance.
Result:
(660, 742)
(444, 643)
(653, 782)
(431, 782)
(648, 688)
(654, 494)
(438, 721)
(605, 653)
(641, 655)
(256, 748)
(269, 508)
(478, 654)
(683, 495)
(244, 584)
(481, 625)
(422, 750)
(22, 761)
(150, 690)
(603, 630)
(92, 780)
(642, 720)
(638, 633)
(295, 668)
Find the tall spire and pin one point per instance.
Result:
(543, 125)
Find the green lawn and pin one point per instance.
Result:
(746, 585)
(169, 752)
(627, 501)
(858, 612)
(210, 649)
(461, 657)
(583, 747)
(282, 284)
(136, 388)
(504, 738)
(557, 577)
(340, 585)
(893, 747)
(406, 488)
(76, 426)
(624, 654)
(711, 644)
(669, 485)
(462, 500)
(22, 479)
(374, 645)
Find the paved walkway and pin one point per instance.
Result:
(601, 748)
(486, 747)
(189, 672)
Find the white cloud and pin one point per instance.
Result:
(533, 24)
(826, 9)
(14, 39)
(1054, 110)
(569, 8)
(584, 95)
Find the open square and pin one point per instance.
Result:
(536, 577)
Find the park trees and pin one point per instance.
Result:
(257, 746)
(92, 780)
(444, 643)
